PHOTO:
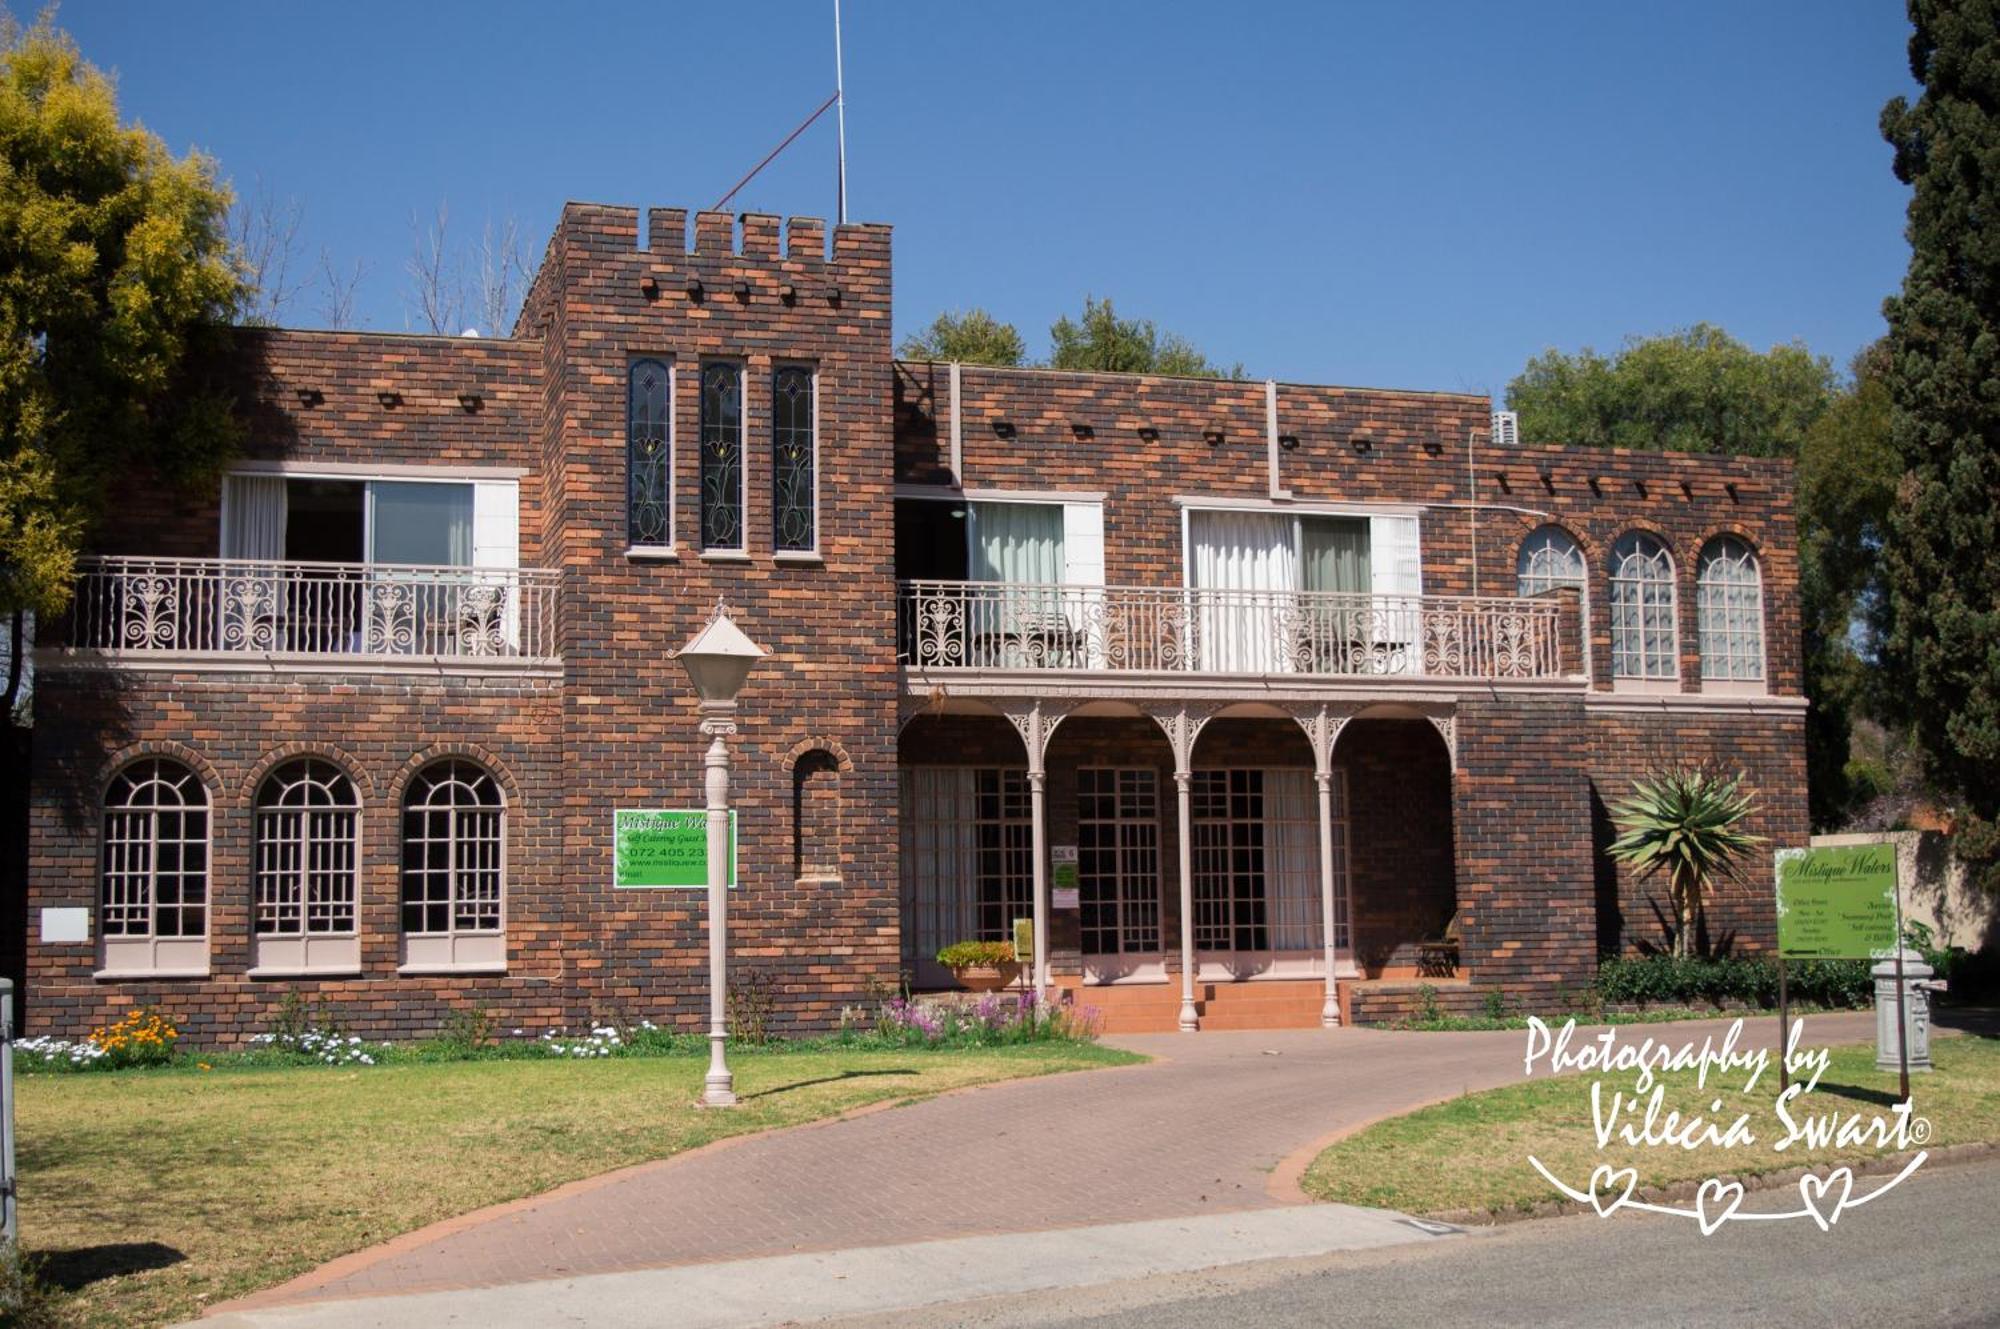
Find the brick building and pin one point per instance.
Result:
(1265, 702)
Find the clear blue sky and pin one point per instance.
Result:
(1411, 195)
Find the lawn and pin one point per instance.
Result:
(1472, 1152)
(208, 1185)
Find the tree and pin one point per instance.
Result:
(1941, 558)
(1695, 390)
(1686, 824)
(1106, 343)
(264, 232)
(447, 288)
(1847, 475)
(115, 272)
(974, 337)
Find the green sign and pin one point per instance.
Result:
(1837, 902)
(664, 848)
(1024, 940)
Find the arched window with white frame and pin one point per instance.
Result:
(1645, 644)
(308, 828)
(1730, 613)
(1550, 558)
(153, 898)
(454, 868)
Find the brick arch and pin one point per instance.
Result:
(349, 767)
(1594, 551)
(818, 743)
(180, 752)
(1739, 531)
(469, 752)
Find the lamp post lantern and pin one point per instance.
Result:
(717, 660)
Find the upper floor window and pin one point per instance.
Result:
(153, 911)
(1549, 559)
(722, 456)
(1730, 612)
(649, 455)
(454, 876)
(308, 819)
(794, 461)
(1644, 643)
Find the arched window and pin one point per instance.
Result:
(816, 815)
(1730, 612)
(649, 455)
(1644, 643)
(153, 914)
(1549, 559)
(308, 823)
(794, 461)
(454, 868)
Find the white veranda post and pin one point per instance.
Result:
(719, 1088)
(1183, 727)
(1323, 728)
(1036, 725)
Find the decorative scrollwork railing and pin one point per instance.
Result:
(225, 607)
(1006, 626)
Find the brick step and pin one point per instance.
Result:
(1155, 1007)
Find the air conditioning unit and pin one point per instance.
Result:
(1506, 429)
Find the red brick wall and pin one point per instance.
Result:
(1043, 429)
(233, 728)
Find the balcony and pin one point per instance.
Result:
(225, 610)
(973, 626)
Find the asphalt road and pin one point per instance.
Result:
(1926, 1255)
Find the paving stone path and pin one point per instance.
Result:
(1201, 1130)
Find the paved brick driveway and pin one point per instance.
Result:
(1199, 1131)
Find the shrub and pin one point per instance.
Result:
(1750, 980)
(25, 1301)
(141, 1037)
(966, 954)
(993, 1020)
(469, 1028)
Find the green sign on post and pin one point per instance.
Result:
(1837, 902)
(664, 849)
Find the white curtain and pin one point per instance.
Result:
(253, 517)
(1291, 859)
(1251, 560)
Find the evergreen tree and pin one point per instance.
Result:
(1941, 647)
(974, 337)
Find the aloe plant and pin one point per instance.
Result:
(1687, 824)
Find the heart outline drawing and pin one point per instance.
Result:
(1813, 1188)
(1714, 1191)
(1604, 1175)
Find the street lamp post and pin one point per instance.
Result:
(717, 661)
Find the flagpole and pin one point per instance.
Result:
(840, 114)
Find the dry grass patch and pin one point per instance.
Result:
(1472, 1153)
(207, 1186)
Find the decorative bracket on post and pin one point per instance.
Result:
(1447, 727)
(1183, 725)
(1322, 725)
(1036, 726)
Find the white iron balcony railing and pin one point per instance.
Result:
(377, 611)
(1011, 626)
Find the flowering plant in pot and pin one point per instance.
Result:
(981, 966)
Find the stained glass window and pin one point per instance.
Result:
(722, 456)
(794, 460)
(649, 455)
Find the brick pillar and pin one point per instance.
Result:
(1522, 845)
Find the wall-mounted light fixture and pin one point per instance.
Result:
(310, 397)
(1213, 436)
(1150, 434)
(788, 292)
(470, 399)
(1289, 442)
(1730, 487)
(1364, 444)
(389, 397)
(694, 288)
(649, 286)
(1082, 432)
(742, 289)
(833, 295)
(1004, 428)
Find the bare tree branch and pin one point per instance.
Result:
(437, 282)
(337, 289)
(503, 277)
(265, 234)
